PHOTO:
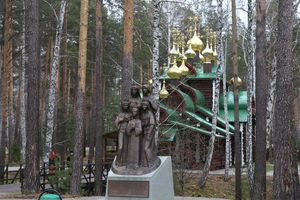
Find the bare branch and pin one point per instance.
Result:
(54, 12)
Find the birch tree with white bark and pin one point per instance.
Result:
(221, 58)
(249, 49)
(210, 151)
(155, 56)
(271, 106)
(53, 82)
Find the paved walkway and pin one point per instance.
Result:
(102, 198)
(14, 189)
(244, 171)
(10, 189)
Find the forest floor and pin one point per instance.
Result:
(185, 183)
(215, 188)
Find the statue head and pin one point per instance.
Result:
(134, 110)
(135, 91)
(147, 90)
(125, 105)
(145, 105)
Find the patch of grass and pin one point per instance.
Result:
(216, 187)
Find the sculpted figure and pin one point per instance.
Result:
(148, 143)
(147, 95)
(135, 99)
(136, 123)
(121, 122)
(134, 131)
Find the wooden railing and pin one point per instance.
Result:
(13, 175)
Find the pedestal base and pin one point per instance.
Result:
(157, 185)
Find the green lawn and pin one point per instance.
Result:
(216, 187)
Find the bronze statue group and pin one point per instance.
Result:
(137, 126)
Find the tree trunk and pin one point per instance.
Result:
(8, 53)
(53, 83)
(44, 83)
(65, 86)
(260, 146)
(22, 90)
(286, 185)
(92, 118)
(127, 70)
(11, 112)
(250, 66)
(32, 164)
(210, 152)
(69, 91)
(271, 109)
(221, 59)
(98, 101)
(3, 138)
(228, 148)
(80, 102)
(155, 59)
(237, 140)
(155, 56)
(7, 65)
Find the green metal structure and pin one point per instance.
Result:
(194, 109)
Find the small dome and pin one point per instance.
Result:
(174, 72)
(190, 53)
(183, 68)
(164, 92)
(196, 42)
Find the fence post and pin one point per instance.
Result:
(90, 171)
(43, 175)
(21, 176)
(6, 176)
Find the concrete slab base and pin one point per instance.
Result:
(157, 185)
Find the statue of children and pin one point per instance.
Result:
(148, 143)
(121, 122)
(135, 98)
(133, 131)
(147, 95)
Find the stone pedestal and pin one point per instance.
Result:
(157, 185)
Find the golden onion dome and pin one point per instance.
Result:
(215, 54)
(189, 42)
(207, 52)
(181, 58)
(164, 92)
(174, 52)
(239, 81)
(196, 42)
(190, 53)
(199, 58)
(182, 55)
(174, 72)
(183, 68)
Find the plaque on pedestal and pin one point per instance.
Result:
(156, 185)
